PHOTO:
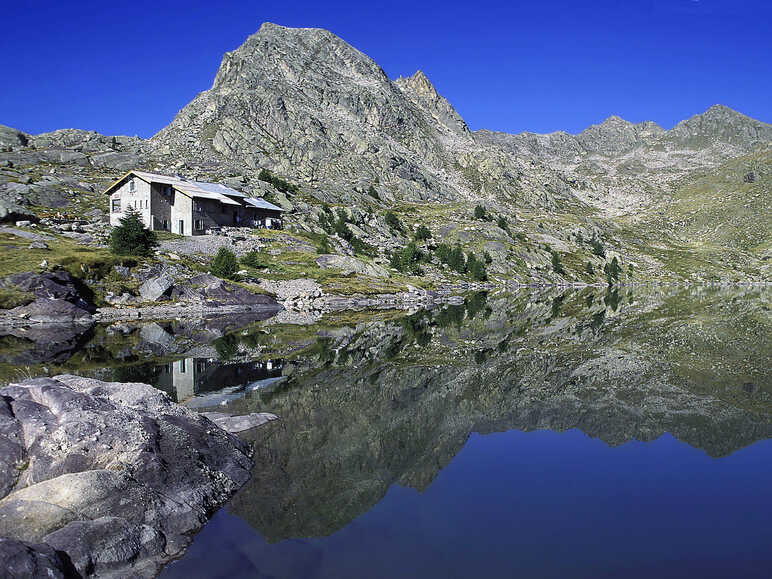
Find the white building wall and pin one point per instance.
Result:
(184, 379)
(139, 199)
(182, 210)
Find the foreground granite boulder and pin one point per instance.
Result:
(19, 559)
(106, 479)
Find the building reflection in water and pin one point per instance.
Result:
(205, 382)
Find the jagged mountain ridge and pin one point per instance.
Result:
(622, 167)
(307, 104)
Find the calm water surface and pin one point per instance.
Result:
(614, 434)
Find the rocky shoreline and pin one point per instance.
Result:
(109, 479)
(300, 295)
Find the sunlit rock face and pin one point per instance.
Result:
(113, 476)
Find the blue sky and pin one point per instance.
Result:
(512, 66)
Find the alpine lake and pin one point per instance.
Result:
(584, 433)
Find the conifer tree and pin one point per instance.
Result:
(224, 264)
(131, 237)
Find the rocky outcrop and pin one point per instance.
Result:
(48, 311)
(58, 298)
(349, 265)
(55, 285)
(155, 287)
(422, 92)
(111, 478)
(19, 559)
(209, 289)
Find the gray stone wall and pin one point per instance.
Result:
(161, 206)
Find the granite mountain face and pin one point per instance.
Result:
(308, 105)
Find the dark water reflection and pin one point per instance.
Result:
(597, 434)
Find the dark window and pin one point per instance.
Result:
(116, 205)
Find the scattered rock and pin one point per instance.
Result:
(51, 311)
(55, 285)
(156, 287)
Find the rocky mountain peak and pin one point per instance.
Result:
(615, 121)
(422, 92)
(614, 135)
(419, 83)
(720, 124)
(292, 52)
(307, 105)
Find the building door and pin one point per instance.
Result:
(182, 227)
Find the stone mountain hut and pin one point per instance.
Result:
(186, 207)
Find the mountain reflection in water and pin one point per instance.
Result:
(406, 445)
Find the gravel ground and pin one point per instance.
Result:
(208, 245)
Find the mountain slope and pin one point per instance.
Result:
(317, 112)
(306, 104)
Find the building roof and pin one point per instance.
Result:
(195, 189)
(261, 204)
(219, 188)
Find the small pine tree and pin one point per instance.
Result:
(502, 223)
(589, 269)
(324, 222)
(597, 247)
(557, 266)
(480, 213)
(324, 246)
(476, 267)
(224, 265)
(131, 237)
(393, 221)
(407, 259)
(457, 262)
(371, 191)
(612, 271)
(422, 233)
(253, 259)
